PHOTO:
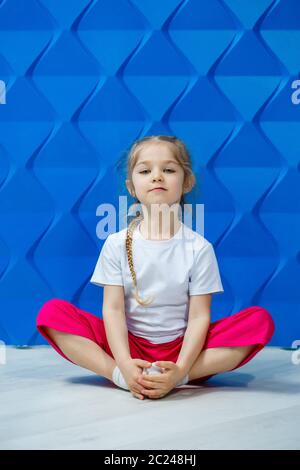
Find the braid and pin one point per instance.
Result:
(129, 233)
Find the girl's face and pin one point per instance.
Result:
(157, 167)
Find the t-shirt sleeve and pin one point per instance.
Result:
(205, 276)
(108, 267)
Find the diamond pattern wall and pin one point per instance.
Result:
(86, 78)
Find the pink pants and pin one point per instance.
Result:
(250, 326)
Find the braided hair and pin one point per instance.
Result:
(133, 224)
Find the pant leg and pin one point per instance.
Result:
(64, 316)
(250, 326)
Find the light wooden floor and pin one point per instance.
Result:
(50, 403)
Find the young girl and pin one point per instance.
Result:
(158, 281)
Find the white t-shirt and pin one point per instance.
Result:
(168, 270)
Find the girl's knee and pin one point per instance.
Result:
(48, 308)
(55, 302)
(266, 320)
(52, 304)
(263, 313)
(267, 316)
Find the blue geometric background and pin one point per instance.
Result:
(84, 79)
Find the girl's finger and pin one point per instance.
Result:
(153, 393)
(153, 378)
(165, 364)
(137, 387)
(149, 384)
(137, 390)
(138, 395)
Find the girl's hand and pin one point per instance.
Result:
(158, 385)
(132, 370)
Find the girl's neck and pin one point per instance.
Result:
(157, 230)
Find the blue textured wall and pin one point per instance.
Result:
(85, 78)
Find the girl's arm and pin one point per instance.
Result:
(115, 323)
(196, 331)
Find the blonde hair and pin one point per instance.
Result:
(182, 156)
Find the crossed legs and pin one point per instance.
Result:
(215, 360)
(87, 354)
(84, 352)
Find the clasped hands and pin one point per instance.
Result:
(158, 385)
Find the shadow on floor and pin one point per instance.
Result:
(219, 382)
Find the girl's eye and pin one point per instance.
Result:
(167, 169)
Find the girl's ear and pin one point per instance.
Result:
(130, 188)
(189, 184)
